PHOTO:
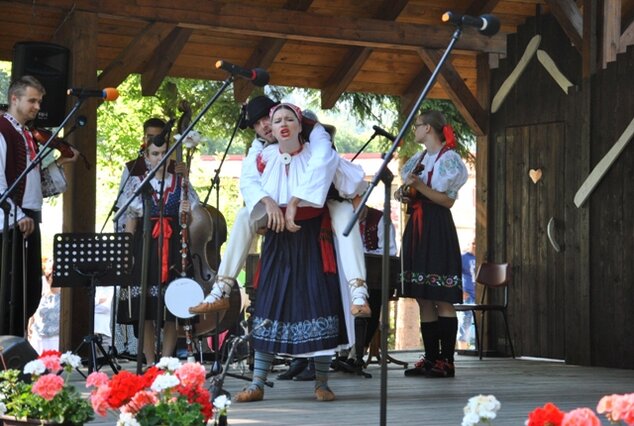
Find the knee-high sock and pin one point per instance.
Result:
(261, 368)
(322, 366)
(431, 335)
(448, 327)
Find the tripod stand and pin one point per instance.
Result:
(100, 259)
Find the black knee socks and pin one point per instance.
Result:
(430, 333)
(447, 329)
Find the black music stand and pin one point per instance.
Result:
(91, 260)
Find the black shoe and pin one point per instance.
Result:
(422, 368)
(307, 375)
(297, 366)
(442, 368)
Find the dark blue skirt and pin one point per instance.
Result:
(432, 266)
(302, 302)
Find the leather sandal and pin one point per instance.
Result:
(221, 304)
(323, 393)
(361, 311)
(249, 394)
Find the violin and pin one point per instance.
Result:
(42, 135)
(409, 192)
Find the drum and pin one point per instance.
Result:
(181, 294)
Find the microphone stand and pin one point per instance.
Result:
(215, 181)
(45, 150)
(384, 327)
(363, 147)
(145, 182)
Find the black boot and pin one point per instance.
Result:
(444, 366)
(297, 366)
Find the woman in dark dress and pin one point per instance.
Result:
(299, 291)
(159, 274)
(432, 265)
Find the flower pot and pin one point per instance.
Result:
(12, 421)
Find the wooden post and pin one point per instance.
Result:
(79, 34)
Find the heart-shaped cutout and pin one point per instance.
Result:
(535, 175)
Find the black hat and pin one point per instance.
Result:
(257, 108)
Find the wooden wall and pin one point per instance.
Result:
(573, 304)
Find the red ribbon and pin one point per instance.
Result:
(450, 137)
(417, 218)
(167, 234)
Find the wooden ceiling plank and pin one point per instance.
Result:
(569, 17)
(355, 58)
(163, 59)
(343, 76)
(135, 54)
(478, 7)
(611, 31)
(413, 91)
(264, 54)
(260, 21)
(465, 102)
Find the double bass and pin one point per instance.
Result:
(206, 234)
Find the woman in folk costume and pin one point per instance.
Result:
(166, 226)
(299, 290)
(430, 251)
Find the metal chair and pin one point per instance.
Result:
(494, 276)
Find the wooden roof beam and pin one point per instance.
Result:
(265, 53)
(163, 59)
(479, 7)
(135, 55)
(355, 57)
(611, 31)
(569, 17)
(242, 19)
(465, 102)
(411, 95)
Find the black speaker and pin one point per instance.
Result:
(49, 64)
(16, 352)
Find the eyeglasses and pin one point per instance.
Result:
(417, 125)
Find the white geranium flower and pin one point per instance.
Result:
(127, 419)
(36, 367)
(3, 408)
(169, 363)
(480, 408)
(221, 402)
(70, 359)
(164, 381)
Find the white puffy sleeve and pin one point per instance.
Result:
(450, 174)
(318, 176)
(250, 184)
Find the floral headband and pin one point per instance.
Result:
(296, 110)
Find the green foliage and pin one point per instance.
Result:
(67, 406)
(179, 411)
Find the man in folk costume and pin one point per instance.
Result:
(17, 150)
(324, 165)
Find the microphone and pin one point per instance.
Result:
(159, 139)
(107, 94)
(258, 76)
(381, 132)
(486, 24)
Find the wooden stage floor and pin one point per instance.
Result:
(520, 385)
